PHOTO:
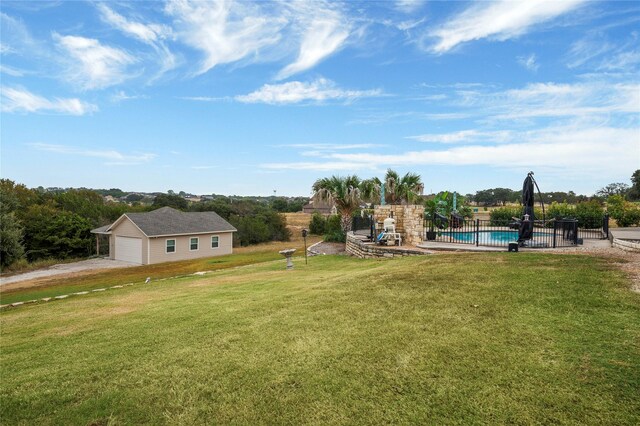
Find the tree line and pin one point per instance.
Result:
(37, 224)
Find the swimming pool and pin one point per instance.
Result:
(491, 238)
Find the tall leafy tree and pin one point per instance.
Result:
(344, 192)
(634, 191)
(616, 188)
(11, 248)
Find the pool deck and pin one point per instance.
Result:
(624, 233)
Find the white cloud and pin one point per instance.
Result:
(596, 98)
(324, 31)
(466, 136)
(147, 33)
(408, 6)
(499, 20)
(571, 150)
(568, 100)
(331, 146)
(295, 92)
(14, 72)
(564, 147)
(621, 61)
(322, 167)
(529, 62)
(113, 157)
(224, 31)
(584, 50)
(19, 100)
(150, 34)
(93, 65)
(121, 95)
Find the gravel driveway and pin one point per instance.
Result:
(67, 268)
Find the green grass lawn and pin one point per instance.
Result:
(448, 339)
(58, 285)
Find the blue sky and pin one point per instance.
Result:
(250, 97)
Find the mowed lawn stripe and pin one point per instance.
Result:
(89, 280)
(485, 338)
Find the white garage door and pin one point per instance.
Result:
(129, 249)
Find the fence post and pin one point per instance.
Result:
(555, 231)
(605, 225)
(477, 232)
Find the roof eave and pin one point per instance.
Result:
(192, 233)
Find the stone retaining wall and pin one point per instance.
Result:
(626, 245)
(356, 246)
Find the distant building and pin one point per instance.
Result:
(320, 207)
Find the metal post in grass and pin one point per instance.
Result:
(477, 232)
(555, 231)
(304, 237)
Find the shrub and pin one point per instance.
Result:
(333, 230)
(504, 215)
(589, 214)
(317, 224)
(624, 212)
(561, 211)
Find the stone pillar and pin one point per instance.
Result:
(409, 220)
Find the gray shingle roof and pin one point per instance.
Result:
(168, 221)
(101, 230)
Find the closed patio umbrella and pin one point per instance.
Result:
(525, 232)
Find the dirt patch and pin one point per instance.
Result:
(329, 248)
(65, 268)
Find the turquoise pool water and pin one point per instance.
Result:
(489, 237)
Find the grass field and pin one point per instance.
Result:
(447, 339)
(58, 285)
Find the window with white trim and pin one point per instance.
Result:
(171, 246)
(215, 241)
(193, 244)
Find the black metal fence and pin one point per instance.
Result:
(546, 234)
(363, 225)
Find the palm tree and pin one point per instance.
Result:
(398, 190)
(343, 192)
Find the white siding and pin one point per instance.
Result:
(157, 247)
(126, 228)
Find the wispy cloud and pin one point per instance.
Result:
(205, 98)
(20, 100)
(584, 50)
(293, 92)
(408, 6)
(113, 157)
(13, 72)
(331, 146)
(150, 34)
(329, 166)
(466, 137)
(324, 31)
(147, 33)
(121, 95)
(565, 100)
(547, 147)
(529, 62)
(499, 20)
(91, 64)
(224, 31)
